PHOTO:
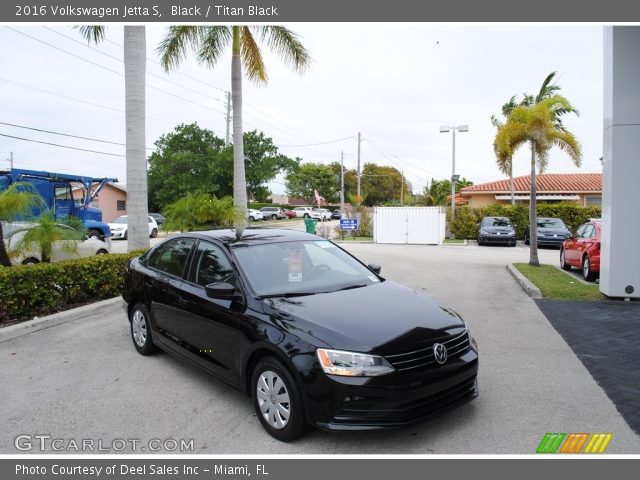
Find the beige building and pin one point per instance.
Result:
(112, 200)
(582, 188)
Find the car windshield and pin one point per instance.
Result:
(550, 223)
(496, 222)
(301, 268)
(122, 219)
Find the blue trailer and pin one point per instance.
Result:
(57, 191)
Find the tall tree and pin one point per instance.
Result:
(209, 43)
(537, 126)
(135, 64)
(305, 180)
(548, 89)
(16, 201)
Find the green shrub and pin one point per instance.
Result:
(45, 288)
(465, 223)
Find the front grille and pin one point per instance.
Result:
(457, 345)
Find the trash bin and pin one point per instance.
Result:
(310, 225)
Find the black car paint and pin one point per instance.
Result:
(227, 337)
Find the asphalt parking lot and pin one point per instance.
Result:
(84, 380)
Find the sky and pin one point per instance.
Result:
(394, 83)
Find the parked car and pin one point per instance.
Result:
(336, 215)
(61, 249)
(289, 213)
(274, 213)
(583, 250)
(119, 228)
(158, 218)
(255, 215)
(550, 232)
(324, 213)
(266, 314)
(307, 212)
(496, 230)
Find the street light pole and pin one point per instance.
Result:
(454, 177)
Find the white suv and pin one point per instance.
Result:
(307, 212)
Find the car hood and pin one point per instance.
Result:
(384, 318)
(497, 229)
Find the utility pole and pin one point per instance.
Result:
(228, 117)
(358, 164)
(402, 189)
(10, 160)
(342, 182)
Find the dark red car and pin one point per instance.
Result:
(583, 250)
(289, 213)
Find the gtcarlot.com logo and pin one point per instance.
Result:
(574, 443)
(49, 443)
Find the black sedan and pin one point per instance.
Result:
(550, 232)
(496, 230)
(336, 215)
(308, 331)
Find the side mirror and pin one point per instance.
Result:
(221, 290)
(375, 268)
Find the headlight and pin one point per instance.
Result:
(351, 364)
(483, 232)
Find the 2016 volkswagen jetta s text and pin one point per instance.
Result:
(313, 335)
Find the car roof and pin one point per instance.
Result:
(252, 236)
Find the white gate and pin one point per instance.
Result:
(415, 225)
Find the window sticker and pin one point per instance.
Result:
(295, 266)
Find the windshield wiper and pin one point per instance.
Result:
(358, 285)
(288, 294)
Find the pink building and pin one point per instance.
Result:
(112, 200)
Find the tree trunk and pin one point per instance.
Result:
(5, 261)
(239, 180)
(135, 57)
(513, 197)
(533, 216)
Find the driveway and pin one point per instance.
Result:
(84, 379)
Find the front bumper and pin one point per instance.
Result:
(498, 239)
(550, 241)
(117, 235)
(391, 401)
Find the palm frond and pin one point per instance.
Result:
(214, 42)
(252, 57)
(177, 43)
(547, 88)
(287, 45)
(91, 33)
(18, 200)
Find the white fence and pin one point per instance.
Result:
(414, 225)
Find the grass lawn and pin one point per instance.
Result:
(557, 285)
(455, 241)
(357, 239)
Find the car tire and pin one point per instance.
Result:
(272, 406)
(102, 251)
(93, 233)
(526, 240)
(141, 330)
(480, 242)
(306, 215)
(30, 261)
(513, 244)
(563, 261)
(274, 217)
(126, 235)
(588, 274)
(251, 219)
(154, 233)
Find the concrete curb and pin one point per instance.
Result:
(30, 326)
(529, 288)
(463, 244)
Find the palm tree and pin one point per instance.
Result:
(548, 89)
(16, 201)
(135, 57)
(209, 44)
(42, 235)
(538, 126)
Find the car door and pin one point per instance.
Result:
(63, 206)
(215, 329)
(571, 247)
(167, 267)
(583, 243)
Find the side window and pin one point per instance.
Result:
(63, 192)
(580, 231)
(211, 265)
(172, 257)
(588, 232)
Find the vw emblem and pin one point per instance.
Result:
(440, 353)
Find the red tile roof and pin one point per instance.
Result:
(546, 183)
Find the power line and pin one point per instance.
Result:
(321, 143)
(61, 146)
